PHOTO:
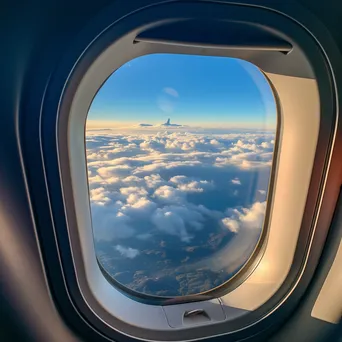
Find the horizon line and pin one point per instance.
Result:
(102, 124)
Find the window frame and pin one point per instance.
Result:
(50, 134)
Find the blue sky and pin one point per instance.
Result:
(191, 90)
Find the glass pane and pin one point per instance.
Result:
(179, 152)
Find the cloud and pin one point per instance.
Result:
(132, 180)
(133, 190)
(253, 217)
(171, 223)
(138, 207)
(173, 220)
(153, 181)
(140, 180)
(232, 225)
(215, 142)
(110, 224)
(246, 225)
(179, 179)
(127, 252)
(267, 144)
(169, 194)
(99, 195)
(110, 171)
(189, 184)
(151, 145)
(193, 186)
(236, 181)
(183, 204)
(171, 91)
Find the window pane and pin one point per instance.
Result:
(179, 151)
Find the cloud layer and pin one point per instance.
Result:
(168, 204)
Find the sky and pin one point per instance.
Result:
(199, 91)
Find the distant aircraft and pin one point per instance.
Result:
(167, 123)
(145, 125)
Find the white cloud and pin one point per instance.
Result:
(112, 180)
(236, 181)
(133, 190)
(102, 196)
(246, 146)
(249, 218)
(155, 167)
(190, 184)
(110, 171)
(171, 223)
(178, 179)
(129, 252)
(151, 145)
(246, 224)
(246, 164)
(215, 142)
(171, 91)
(267, 144)
(169, 194)
(153, 181)
(152, 177)
(95, 180)
(253, 217)
(174, 219)
(140, 203)
(232, 225)
(109, 223)
(99, 195)
(132, 179)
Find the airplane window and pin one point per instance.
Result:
(179, 152)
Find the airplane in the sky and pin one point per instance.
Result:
(133, 235)
(166, 124)
(169, 124)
